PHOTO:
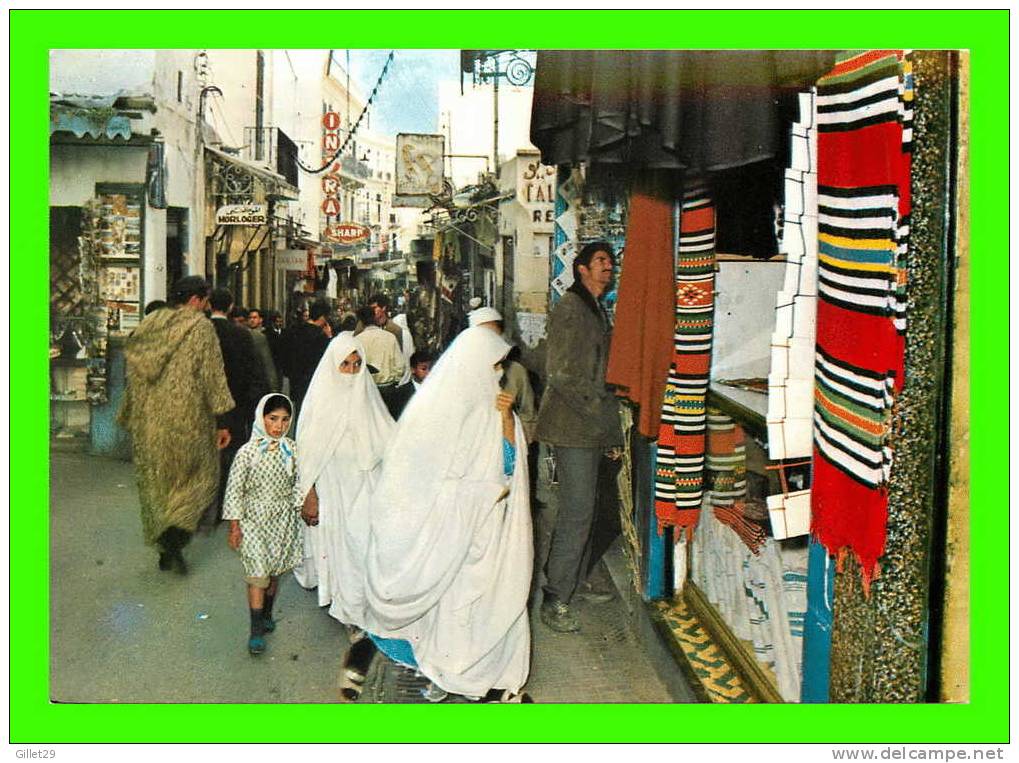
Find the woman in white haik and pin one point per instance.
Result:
(343, 430)
(450, 550)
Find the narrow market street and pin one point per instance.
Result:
(122, 631)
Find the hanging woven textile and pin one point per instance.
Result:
(639, 356)
(727, 478)
(679, 468)
(864, 110)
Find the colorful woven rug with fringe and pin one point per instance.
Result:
(679, 468)
(864, 110)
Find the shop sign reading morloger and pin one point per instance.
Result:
(243, 214)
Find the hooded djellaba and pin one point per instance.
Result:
(341, 435)
(176, 387)
(450, 552)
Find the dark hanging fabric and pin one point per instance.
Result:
(695, 110)
(745, 200)
(719, 114)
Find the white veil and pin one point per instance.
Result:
(334, 404)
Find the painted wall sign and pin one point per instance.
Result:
(346, 233)
(242, 214)
(419, 164)
(536, 192)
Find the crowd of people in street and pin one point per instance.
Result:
(404, 495)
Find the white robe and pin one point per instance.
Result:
(344, 427)
(450, 549)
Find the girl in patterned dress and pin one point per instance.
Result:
(263, 507)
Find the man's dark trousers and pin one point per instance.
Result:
(577, 470)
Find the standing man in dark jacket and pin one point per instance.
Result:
(244, 377)
(262, 349)
(303, 345)
(579, 419)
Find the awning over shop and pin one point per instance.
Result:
(700, 110)
(82, 123)
(277, 181)
(100, 117)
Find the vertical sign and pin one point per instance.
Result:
(331, 206)
(536, 192)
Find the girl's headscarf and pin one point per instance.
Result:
(340, 405)
(263, 440)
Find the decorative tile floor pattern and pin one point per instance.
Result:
(721, 682)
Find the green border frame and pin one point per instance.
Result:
(985, 33)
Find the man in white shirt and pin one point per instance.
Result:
(383, 351)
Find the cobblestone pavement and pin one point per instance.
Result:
(122, 631)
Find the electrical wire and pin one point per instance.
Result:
(353, 130)
(216, 105)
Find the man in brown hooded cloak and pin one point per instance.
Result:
(176, 392)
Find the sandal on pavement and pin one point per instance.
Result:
(506, 697)
(355, 669)
(433, 693)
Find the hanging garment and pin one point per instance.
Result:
(745, 201)
(864, 123)
(696, 110)
(639, 355)
(761, 597)
(343, 430)
(679, 467)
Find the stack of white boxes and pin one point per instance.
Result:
(791, 381)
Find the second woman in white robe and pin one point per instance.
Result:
(343, 430)
(450, 552)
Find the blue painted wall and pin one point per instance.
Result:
(656, 546)
(817, 627)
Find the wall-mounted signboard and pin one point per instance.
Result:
(536, 192)
(346, 233)
(419, 168)
(242, 214)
